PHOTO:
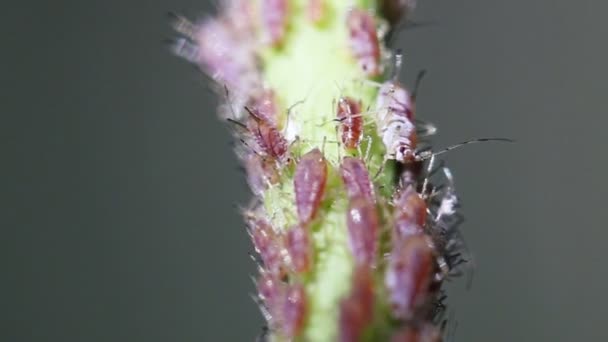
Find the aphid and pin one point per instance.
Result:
(409, 214)
(362, 223)
(356, 178)
(266, 107)
(315, 10)
(423, 333)
(261, 173)
(363, 41)
(409, 275)
(351, 121)
(274, 20)
(395, 108)
(294, 310)
(269, 139)
(298, 244)
(309, 185)
(356, 310)
(270, 292)
(268, 244)
(215, 48)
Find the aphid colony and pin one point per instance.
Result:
(402, 246)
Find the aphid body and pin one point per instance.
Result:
(356, 310)
(363, 41)
(295, 306)
(267, 136)
(356, 178)
(424, 333)
(299, 247)
(395, 122)
(409, 214)
(409, 275)
(274, 20)
(351, 121)
(362, 223)
(309, 185)
(269, 245)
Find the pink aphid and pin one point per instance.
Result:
(271, 291)
(298, 244)
(409, 275)
(295, 306)
(274, 20)
(356, 310)
(351, 121)
(315, 10)
(395, 122)
(309, 185)
(362, 223)
(267, 136)
(356, 178)
(214, 46)
(363, 41)
(409, 214)
(269, 245)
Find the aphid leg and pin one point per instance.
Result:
(381, 168)
(426, 177)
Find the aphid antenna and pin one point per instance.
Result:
(419, 78)
(425, 183)
(424, 155)
(368, 149)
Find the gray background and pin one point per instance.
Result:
(119, 184)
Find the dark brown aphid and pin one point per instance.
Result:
(356, 178)
(363, 41)
(309, 185)
(409, 214)
(362, 223)
(298, 244)
(295, 306)
(351, 121)
(409, 275)
(356, 310)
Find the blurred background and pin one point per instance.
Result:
(120, 186)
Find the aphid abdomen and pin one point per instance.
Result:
(356, 178)
(409, 214)
(362, 223)
(295, 306)
(309, 184)
(356, 310)
(274, 20)
(351, 121)
(409, 275)
(269, 245)
(299, 247)
(363, 41)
